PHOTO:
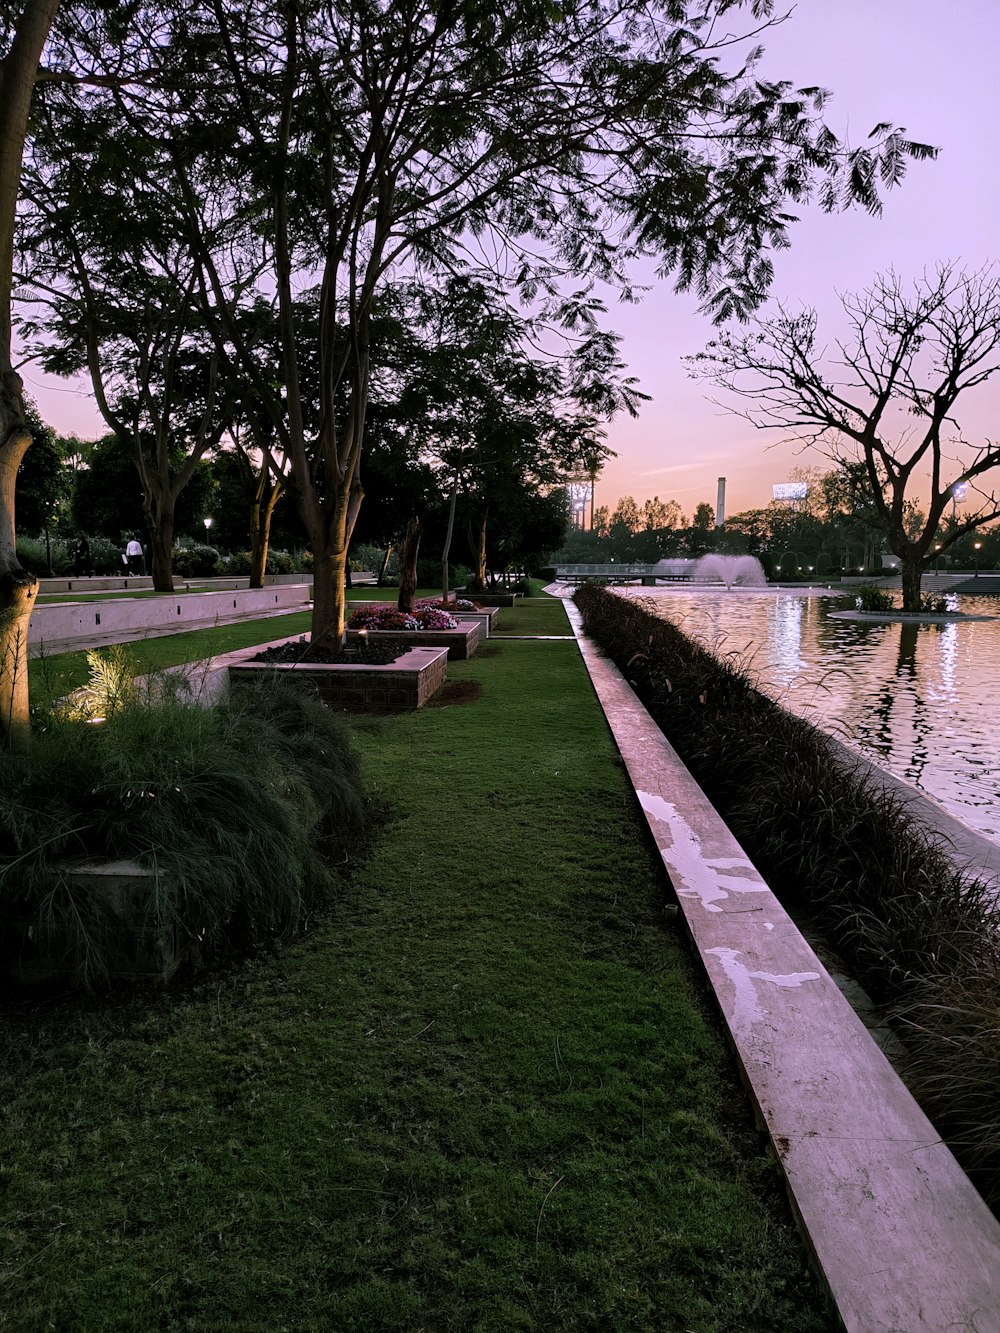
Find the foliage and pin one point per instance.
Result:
(512, 1041)
(196, 561)
(830, 839)
(31, 555)
(933, 605)
(383, 615)
(107, 497)
(429, 573)
(261, 781)
(870, 597)
(43, 480)
(278, 562)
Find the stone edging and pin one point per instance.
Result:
(907, 617)
(902, 1239)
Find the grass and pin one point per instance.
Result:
(487, 1094)
(544, 616)
(267, 778)
(111, 594)
(51, 677)
(920, 934)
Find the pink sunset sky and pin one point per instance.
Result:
(934, 71)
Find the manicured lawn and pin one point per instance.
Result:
(544, 615)
(112, 594)
(486, 1093)
(52, 677)
(371, 593)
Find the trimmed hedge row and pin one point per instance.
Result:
(830, 840)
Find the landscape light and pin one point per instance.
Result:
(208, 524)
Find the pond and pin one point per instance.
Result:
(917, 699)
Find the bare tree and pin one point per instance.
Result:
(886, 398)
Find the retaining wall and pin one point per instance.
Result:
(62, 621)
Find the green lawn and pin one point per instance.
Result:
(543, 615)
(486, 1093)
(110, 594)
(52, 677)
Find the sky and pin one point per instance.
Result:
(924, 66)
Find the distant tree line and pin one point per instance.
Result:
(836, 528)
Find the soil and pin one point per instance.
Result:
(379, 653)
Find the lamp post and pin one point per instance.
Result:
(977, 547)
(208, 525)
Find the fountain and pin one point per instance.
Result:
(744, 571)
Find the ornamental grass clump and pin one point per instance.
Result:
(383, 616)
(831, 841)
(235, 811)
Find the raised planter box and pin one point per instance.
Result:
(486, 616)
(398, 687)
(135, 946)
(461, 643)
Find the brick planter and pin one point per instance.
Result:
(134, 945)
(397, 687)
(461, 643)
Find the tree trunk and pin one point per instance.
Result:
(447, 541)
(260, 524)
(328, 592)
(478, 544)
(261, 513)
(162, 551)
(383, 569)
(18, 589)
(408, 566)
(912, 569)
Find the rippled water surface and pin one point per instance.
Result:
(920, 699)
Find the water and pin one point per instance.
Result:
(918, 699)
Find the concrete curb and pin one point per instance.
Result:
(900, 1236)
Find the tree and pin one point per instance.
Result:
(890, 397)
(116, 297)
(43, 479)
(545, 145)
(657, 513)
(18, 589)
(108, 499)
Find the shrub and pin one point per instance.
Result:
(830, 839)
(788, 566)
(106, 556)
(824, 563)
(229, 808)
(368, 557)
(870, 597)
(195, 561)
(32, 557)
(931, 604)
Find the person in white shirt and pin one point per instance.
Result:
(136, 559)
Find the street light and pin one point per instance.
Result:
(208, 524)
(977, 547)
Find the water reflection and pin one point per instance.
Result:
(915, 697)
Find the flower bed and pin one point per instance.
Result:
(382, 616)
(411, 676)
